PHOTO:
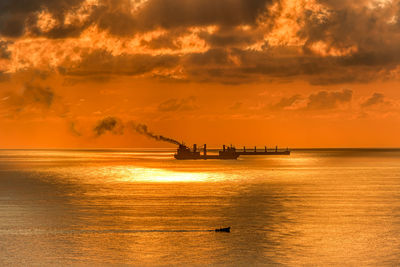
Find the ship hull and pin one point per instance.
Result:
(228, 153)
(189, 157)
(264, 153)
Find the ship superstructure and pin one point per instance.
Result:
(184, 152)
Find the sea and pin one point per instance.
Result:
(316, 207)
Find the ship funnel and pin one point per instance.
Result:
(194, 148)
(205, 149)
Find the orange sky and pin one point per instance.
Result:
(317, 73)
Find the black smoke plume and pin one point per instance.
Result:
(73, 130)
(143, 129)
(116, 126)
(109, 124)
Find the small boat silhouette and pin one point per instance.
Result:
(227, 229)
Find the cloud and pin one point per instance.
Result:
(328, 100)
(4, 52)
(225, 41)
(375, 99)
(357, 32)
(233, 37)
(36, 101)
(175, 104)
(286, 102)
(17, 15)
(176, 13)
(31, 97)
(318, 101)
(101, 62)
(237, 66)
(122, 17)
(236, 106)
(163, 41)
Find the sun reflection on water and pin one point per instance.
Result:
(134, 174)
(137, 174)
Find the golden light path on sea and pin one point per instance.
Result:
(138, 174)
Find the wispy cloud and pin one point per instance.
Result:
(375, 99)
(328, 100)
(175, 104)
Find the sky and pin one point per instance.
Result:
(112, 73)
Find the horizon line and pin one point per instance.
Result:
(168, 148)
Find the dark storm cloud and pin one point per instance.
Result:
(375, 99)
(175, 104)
(282, 63)
(15, 15)
(236, 66)
(4, 53)
(23, 6)
(61, 31)
(163, 41)
(328, 100)
(115, 15)
(342, 26)
(359, 43)
(361, 46)
(211, 57)
(354, 24)
(216, 65)
(177, 13)
(231, 37)
(101, 62)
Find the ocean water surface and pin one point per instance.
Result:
(142, 207)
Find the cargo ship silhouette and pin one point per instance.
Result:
(184, 152)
